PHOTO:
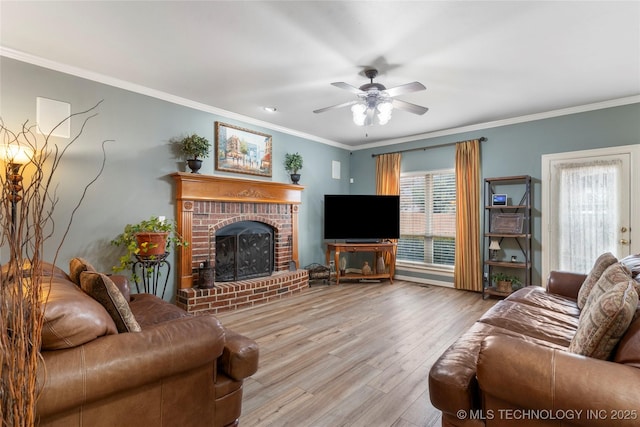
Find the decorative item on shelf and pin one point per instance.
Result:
(380, 267)
(514, 258)
(508, 223)
(292, 164)
(499, 200)
(343, 266)
(366, 270)
(505, 282)
(147, 249)
(494, 247)
(194, 147)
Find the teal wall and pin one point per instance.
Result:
(136, 182)
(513, 150)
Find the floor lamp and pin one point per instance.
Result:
(15, 155)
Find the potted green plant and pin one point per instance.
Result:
(147, 239)
(292, 164)
(505, 282)
(194, 148)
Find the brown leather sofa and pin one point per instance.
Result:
(177, 370)
(513, 367)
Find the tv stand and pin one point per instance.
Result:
(377, 248)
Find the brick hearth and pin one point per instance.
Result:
(245, 293)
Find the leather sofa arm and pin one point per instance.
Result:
(524, 375)
(111, 364)
(565, 283)
(239, 358)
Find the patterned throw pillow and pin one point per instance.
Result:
(77, 266)
(632, 262)
(605, 321)
(601, 264)
(615, 273)
(103, 290)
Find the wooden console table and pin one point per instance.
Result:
(377, 248)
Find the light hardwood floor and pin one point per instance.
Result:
(357, 354)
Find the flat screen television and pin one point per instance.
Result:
(361, 218)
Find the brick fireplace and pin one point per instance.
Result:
(207, 203)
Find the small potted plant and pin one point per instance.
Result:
(505, 282)
(292, 164)
(194, 148)
(148, 240)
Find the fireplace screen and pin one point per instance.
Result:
(244, 250)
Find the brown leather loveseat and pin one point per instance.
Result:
(171, 369)
(522, 364)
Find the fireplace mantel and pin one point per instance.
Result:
(192, 188)
(209, 187)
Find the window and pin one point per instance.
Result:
(428, 218)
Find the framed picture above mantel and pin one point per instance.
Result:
(242, 150)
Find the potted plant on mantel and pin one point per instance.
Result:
(147, 239)
(292, 164)
(194, 147)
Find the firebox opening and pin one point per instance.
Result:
(244, 250)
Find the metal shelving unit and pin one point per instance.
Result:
(523, 238)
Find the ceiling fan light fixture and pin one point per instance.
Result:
(385, 108)
(375, 103)
(359, 114)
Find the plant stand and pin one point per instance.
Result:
(149, 271)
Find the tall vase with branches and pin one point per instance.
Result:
(26, 221)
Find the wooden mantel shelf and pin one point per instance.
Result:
(193, 186)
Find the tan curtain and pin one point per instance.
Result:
(388, 180)
(468, 270)
(388, 174)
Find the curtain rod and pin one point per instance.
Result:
(481, 139)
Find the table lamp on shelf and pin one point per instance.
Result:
(494, 247)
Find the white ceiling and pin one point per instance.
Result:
(481, 61)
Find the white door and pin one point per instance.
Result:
(586, 207)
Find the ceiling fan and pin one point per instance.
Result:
(375, 102)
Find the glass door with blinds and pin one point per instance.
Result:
(427, 219)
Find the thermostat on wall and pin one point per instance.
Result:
(499, 200)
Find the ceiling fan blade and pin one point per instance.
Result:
(346, 86)
(407, 106)
(406, 88)
(333, 107)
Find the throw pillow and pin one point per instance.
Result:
(632, 262)
(601, 264)
(103, 290)
(605, 322)
(71, 317)
(77, 266)
(615, 273)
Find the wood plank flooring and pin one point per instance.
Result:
(357, 354)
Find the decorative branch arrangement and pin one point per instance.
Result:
(28, 200)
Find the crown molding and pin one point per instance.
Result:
(122, 84)
(506, 122)
(143, 90)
